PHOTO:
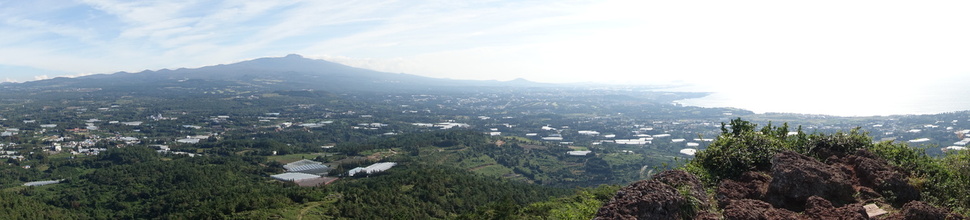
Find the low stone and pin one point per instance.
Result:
(873, 210)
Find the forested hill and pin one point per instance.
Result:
(292, 72)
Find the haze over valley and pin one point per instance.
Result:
(484, 110)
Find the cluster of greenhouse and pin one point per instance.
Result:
(373, 168)
(305, 173)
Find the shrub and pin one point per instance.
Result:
(740, 149)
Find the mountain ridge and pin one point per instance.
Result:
(291, 72)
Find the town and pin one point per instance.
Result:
(640, 122)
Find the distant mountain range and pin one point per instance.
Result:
(292, 72)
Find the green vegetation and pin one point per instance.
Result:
(247, 131)
(15, 206)
(942, 180)
(581, 205)
(742, 149)
(131, 183)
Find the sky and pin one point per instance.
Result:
(804, 54)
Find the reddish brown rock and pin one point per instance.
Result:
(682, 180)
(797, 177)
(920, 210)
(744, 209)
(876, 173)
(821, 209)
(751, 185)
(645, 199)
(868, 195)
(708, 216)
(796, 183)
(659, 198)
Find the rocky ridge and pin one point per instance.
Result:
(796, 187)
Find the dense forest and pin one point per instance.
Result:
(136, 182)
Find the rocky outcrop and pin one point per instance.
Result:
(755, 209)
(920, 210)
(686, 182)
(875, 173)
(821, 209)
(751, 185)
(659, 198)
(797, 177)
(796, 187)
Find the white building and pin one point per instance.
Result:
(133, 123)
(640, 141)
(294, 177)
(373, 168)
(954, 148)
(919, 140)
(579, 153)
(307, 166)
(962, 142)
(188, 140)
(689, 151)
(552, 138)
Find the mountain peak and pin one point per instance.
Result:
(293, 56)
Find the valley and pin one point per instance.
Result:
(153, 144)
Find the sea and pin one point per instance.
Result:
(845, 99)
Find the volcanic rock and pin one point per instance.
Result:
(920, 210)
(685, 181)
(751, 185)
(819, 208)
(797, 177)
(658, 198)
(876, 173)
(645, 199)
(755, 209)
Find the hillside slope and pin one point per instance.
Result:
(769, 174)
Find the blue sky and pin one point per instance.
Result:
(715, 45)
(104, 36)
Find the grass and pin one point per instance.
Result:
(523, 140)
(617, 159)
(309, 210)
(493, 170)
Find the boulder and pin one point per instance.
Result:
(797, 177)
(751, 185)
(876, 173)
(755, 209)
(645, 199)
(659, 198)
(920, 210)
(682, 180)
(821, 209)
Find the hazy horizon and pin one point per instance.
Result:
(884, 51)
